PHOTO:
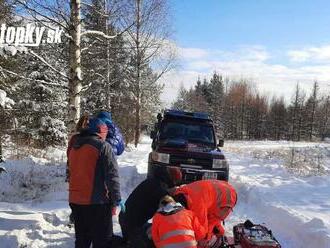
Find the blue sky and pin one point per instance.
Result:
(275, 43)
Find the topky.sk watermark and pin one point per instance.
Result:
(29, 35)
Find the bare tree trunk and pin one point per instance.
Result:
(325, 124)
(294, 114)
(314, 103)
(108, 57)
(75, 85)
(138, 77)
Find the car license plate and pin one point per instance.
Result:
(210, 175)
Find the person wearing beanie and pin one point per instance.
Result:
(210, 200)
(93, 185)
(175, 226)
(142, 204)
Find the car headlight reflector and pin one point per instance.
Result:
(219, 164)
(161, 157)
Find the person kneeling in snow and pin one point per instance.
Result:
(93, 185)
(143, 203)
(174, 226)
(211, 201)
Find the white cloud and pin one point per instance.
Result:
(298, 56)
(311, 54)
(250, 63)
(200, 65)
(250, 53)
(192, 53)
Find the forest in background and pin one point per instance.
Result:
(239, 111)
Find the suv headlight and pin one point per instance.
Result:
(161, 157)
(219, 164)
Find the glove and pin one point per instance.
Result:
(121, 204)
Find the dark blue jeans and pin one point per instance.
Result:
(135, 236)
(93, 225)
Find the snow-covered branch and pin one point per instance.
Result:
(5, 102)
(99, 33)
(49, 65)
(3, 70)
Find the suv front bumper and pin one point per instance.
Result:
(191, 174)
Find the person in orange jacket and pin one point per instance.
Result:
(210, 200)
(175, 226)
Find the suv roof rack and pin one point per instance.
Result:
(184, 114)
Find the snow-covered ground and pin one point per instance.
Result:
(271, 188)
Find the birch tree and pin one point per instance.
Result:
(67, 15)
(148, 39)
(75, 77)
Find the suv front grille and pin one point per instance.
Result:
(204, 162)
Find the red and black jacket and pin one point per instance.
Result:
(93, 171)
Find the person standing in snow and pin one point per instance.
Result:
(175, 226)
(210, 200)
(115, 139)
(81, 125)
(93, 185)
(143, 203)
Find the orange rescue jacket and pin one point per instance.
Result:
(211, 201)
(179, 229)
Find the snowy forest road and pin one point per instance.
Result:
(34, 209)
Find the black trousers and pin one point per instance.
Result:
(135, 236)
(93, 225)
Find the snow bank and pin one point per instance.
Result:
(296, 208)
(34, 209)
(34, 199)
(300, 158)
(30, 180)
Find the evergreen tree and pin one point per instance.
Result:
(277, 124)
(181, 100)
(216, 101)
(311, 110)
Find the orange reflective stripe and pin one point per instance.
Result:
(228, 197)
(218, 192)
(223, 212)
(177, 233)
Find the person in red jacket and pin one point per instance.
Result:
(175, 226)
(210, 200)
(93, 185)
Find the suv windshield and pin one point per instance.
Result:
(192, 132)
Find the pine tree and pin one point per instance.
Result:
(105, 61)
(310, 110)
(41, 96)
(181, 100)
(296, 114)
(277, 124)
(324, 118)
(217, 102)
